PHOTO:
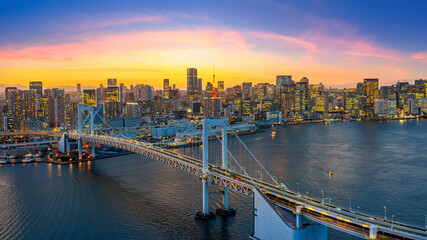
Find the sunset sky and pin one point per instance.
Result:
(337, 43)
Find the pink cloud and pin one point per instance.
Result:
(421, 56)
(285, 40)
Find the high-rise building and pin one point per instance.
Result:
(283, 79)
(423, 105)
(38, 86)
(112, 94)
(370, 88)
(192, 83)
(211, 107)
(360, 87)
(89, 97)
(133, 109)
(379, 107)
(112, 82)
(111, 109)
(166, 89)
(391, 107)
(351, 101)
(199, 86)
(247, 90)
(56, 106)
(221, 89)
(413, 106)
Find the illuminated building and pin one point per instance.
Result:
(211, 107)
(221, 89)
(379, 107)
(422, 82)
(413, 106)
(174, 94)
(370, 88)
(360, 88)
(8, 124)
(266, 104)
(112, 82)
(37, 86)
(199, 87)
(166, 89)
(56, 106)
(423, 105)
(386, 92)
(391, 107)
(247, 90)
(287, 97)
(145, 93)
(321, 104)
(89, 97)
(112, 94)
(208, 89)
(246, 107)
(351, 103)
(133, 109)
(192, 83)
(283, 79)
(111, 109)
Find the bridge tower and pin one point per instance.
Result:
(90, 116)
(208, 124)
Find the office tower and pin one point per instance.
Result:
(413, 106)
(111, 109)
(56, 106)
(89, 97)
(208, 89)
(166, 89)
(247, 90)
(379, 107)
(146, 93)
(321, 103)
(38, 86)
(351, 101)
(287, 97)
(391, 107)
(8, 124)
(370, 88)
(211, 107)
(199, 86)
(132, 109)
(112, 82)
(112, 94)
(283, 79)
(220, 87)
(423, 105)
(192, 83)
(79, 88)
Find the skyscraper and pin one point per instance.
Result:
(370, 88)
(283, 79)
(112, 82)
(89, 97)
(247, 90)
(56, 102)
(192, 83)
(38, 86)
(166, 89)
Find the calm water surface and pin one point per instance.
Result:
(133, 197)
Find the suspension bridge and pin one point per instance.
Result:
(279, 211)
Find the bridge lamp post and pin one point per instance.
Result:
(350, 203)
(323, 200)
(385, 213)
(298, 187)
(392, 219)
(357, 213)
(306, 197)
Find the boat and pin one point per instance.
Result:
(27, 159)
(10, 156)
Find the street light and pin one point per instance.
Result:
(350, 203)
(392, 219)
(357, 213)
(323, 200)
(385, 213)
(306, 198)
(298, 187)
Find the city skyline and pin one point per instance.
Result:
(149, 42)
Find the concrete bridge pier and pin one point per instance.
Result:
(373, 231)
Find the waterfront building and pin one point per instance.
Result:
(351, 103)
(8, 124)
(413, 106)
(370, 88)
(379, 107)
(423, 105)
(287, 97)
(392, 107)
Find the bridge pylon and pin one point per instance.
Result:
(82, 122)
(226, 211)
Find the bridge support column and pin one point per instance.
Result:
(205, 214)
(79, 144)
(93, 150)
(298, 216)
(226, 211)
(373, 230)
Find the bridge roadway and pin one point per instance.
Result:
(357, 224)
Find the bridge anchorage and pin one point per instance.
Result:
(206, 214)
